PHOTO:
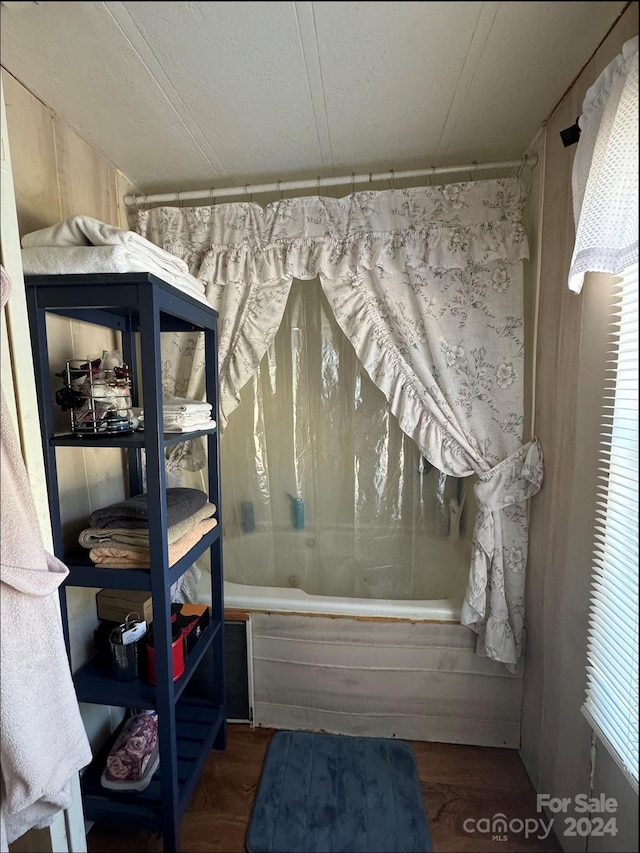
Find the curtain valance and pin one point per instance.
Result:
(430, 227)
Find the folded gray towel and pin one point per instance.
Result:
(93, 537)
(133, 512)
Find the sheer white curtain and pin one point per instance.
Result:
(605, 196)
(427, 285)
(605, 172)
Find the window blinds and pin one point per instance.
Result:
(611, 705)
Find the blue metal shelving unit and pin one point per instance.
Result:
(141, 307)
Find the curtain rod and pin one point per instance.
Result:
(281, 186)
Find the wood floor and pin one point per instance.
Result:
(458, 783)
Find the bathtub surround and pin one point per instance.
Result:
(416, 680)
(427, 285)
(375, 668)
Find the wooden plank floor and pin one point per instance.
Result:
(458, 782)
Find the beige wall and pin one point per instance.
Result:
(556, 744)
(57, 175)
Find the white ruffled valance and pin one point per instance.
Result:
(426, 283)
(437, 227)
(605, 172)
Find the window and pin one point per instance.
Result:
(611, 705)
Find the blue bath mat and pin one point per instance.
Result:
(321, 792)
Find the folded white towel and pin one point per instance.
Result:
(43, 260)
(190, 415)
(182, 410)
(191, 427)
(184, 404)
(169, 425)
(87, 231)
(185, 417)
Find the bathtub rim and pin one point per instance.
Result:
(244, 597)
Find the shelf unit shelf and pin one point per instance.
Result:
(140, 307)
(95, 684)
(198, 724)
(135, 439)
(83, 573)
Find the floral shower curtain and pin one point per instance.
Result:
(427, 285)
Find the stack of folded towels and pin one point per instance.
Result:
(82, 244)
(179, 414)
(119, 534)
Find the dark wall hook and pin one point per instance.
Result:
(570, 135)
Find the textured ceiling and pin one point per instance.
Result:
(189, 95)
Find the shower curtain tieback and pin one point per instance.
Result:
(426, 283)
(500, 549)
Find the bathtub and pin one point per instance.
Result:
(305, 577)
(288, 600)
(330, 649)
(372, 667)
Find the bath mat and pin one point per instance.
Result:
(322, 792)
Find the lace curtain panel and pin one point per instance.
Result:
(605, 172)
(426, 283)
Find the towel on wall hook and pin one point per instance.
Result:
(44, 743)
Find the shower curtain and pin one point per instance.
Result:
(427, 286)
(322, 489)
